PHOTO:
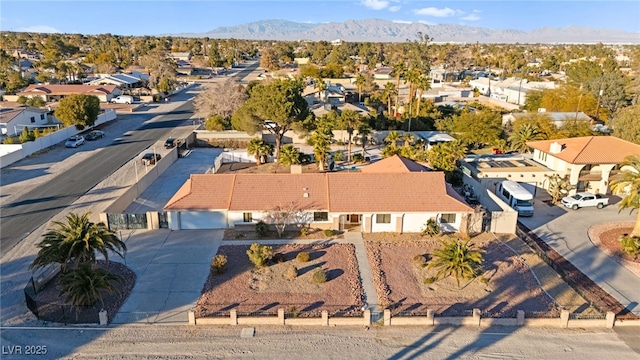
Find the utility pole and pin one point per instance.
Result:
(598, 106)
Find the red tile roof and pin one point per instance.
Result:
(590, 149)
(335, 192)
(394, 164)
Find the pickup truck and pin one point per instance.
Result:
(584, 199)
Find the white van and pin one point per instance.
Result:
(122, 99)
(516, 196)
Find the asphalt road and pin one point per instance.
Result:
(26, 213)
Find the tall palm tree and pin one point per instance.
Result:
(289, 155)
(399, 69)
(364, 130)
(627, 183)
(457, 258)
(445, 156)
(76, 241)
(321, 86)
(390, 91)
(392, 138)
(320, 139)
(522, 135)
(260, 150)
(422, 85)
(349, 120)
(84, 286)
(408, 139)
(360, 82)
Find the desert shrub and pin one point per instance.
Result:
(420, 260)
(431, 228)
(240, 235)
(319, 276)
(262, 229)
(218, 263)
(302, 256)
(484, 280)
(357, 158)
(429, 280)
(26, 135)
(304, 231)
(291, 272)
(294, 312)
(630, 245)
(259, 255)
(278, 258)
(22, 100)
(9, 140)
(338, 155)
(328, 232)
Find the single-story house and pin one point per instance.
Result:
(434, 137)
(13, 120)
(558, 118)
(186, 56)
(394, 164)
(122, 81)
(50, 93)
(589, 162)
(383, 73)
(355, 201)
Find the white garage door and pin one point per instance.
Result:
(193, 220)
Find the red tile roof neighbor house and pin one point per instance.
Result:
(394, 164)
(588, 149)
(335, 192)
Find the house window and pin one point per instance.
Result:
(33, 119)
(41, 116)
(383, 218)
(247, 217)
(320, 216)
(448, 218)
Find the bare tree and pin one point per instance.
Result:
(283, 215)
(221, 99)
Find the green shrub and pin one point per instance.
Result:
(9, 140)
(262, 229)
(338, 155)
(429, 280)
(328, 232)
(294, 312)
(630, 245)
(304, 231)
(431, 228)
(259, 255)
(218, 263)
(420, 260)
(319, 277)
(302, 256)
(357, 158)
(484, 280)
(291, 272)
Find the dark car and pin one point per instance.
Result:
(169, 143)
(94, 135)
(150, 158)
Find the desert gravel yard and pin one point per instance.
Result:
(505, 285)
(263, 291)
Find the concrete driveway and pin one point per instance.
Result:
(566, 231)
(172, 267)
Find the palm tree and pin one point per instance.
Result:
(85, 285)
(457, 258)
(392, 138)
(360, 82)
(260, 150)
(399, 69)
(364, 130)
(350, 119)
(422, 85)
(408, 140)
(444, 156)
(321, 87)
(320, 139)
(289, 155)
(627, 182)
(75, 242)
(522, 135)
(390, 91)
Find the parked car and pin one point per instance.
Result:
(94, 135)
(169, 143)
(150, 158)
(584, 199)
(122, 99)
(74, 141)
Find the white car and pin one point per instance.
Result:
(122, 99)
(74, 141)
(585, 199)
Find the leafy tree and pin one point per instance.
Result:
(282, 215)
(217, 123)
(476, 128)
(85, 286)
(26, 135)
(445, 156)
(541, 122)
(260, 150)
(456, 258)
(76, 241)
(259, 254)
(572, 128)
(568, 98)
(559, 187)
(625, 124)
(522, 136)
(627, 184)
(289, 155)
(78, 109)
(276, 107)
(269, 60)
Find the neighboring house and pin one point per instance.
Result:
(367, 202)
(122, 81)
(50, 93)
(558, 118)
(395, 164)
(13, 120)
(588, 162)
(322, 109)
(383, 73)
(23, 54)
(512, 90)
(433, 137)
(185, 56)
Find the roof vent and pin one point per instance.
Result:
(305, 195)
(555, 148)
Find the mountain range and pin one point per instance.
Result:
(377, 30)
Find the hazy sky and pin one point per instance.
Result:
(176, 16)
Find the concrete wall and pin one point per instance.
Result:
(9, 154)
(503, 217)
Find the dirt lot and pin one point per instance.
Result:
(246, 289)
(505, 286)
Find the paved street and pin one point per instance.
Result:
(566, 231)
